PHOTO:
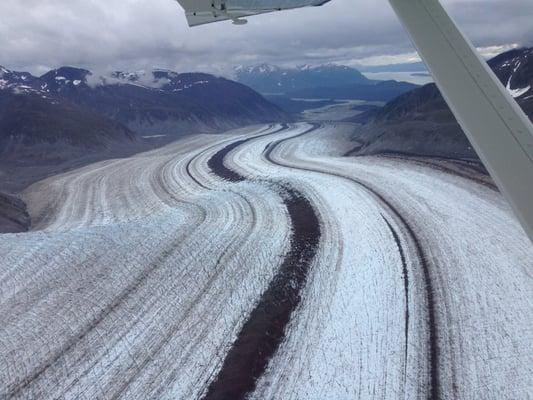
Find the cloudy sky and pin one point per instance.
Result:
(37, 35)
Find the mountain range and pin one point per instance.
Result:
(69, 112)
(420, 122)
(272, 79)
(328, 81)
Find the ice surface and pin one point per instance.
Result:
(139, 273)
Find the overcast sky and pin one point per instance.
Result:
(38, 35)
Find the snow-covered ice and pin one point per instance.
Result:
(139, 273)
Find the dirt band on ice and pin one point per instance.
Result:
(433, 353)
(148, 277)
(263, 332)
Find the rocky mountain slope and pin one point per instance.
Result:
(70, 113)
(420, 122)
(37, 130)
(149, 102)
(14, 216)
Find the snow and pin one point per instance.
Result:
(60, 78)
(190, 85)
(267, 68)
(20, 89)
(139, 273)
(346, 340)
(76, 82)
(139, 78)
(519, 91)
(259, 69)
(153, 136)
(168, 249)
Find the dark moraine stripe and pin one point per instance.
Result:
(216, 162)
(264, 331)
(435, 389)
(405, 273)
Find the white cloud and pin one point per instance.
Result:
(135, 34)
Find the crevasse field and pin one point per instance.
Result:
(263, 264)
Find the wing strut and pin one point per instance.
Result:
(496, 126)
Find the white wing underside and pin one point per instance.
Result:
(199, 12)
(207, 17)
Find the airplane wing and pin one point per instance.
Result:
(497, 127)
(199, 12)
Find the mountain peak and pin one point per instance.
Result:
(263, 68)
(60, 78)
(329, 67)
(157, 79)
(515, 69)
(68, 73)
(78, 113)
(19, 82)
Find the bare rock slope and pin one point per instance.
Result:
(420, 122)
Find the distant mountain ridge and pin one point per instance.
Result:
(271, 79)
(158, 95)
(73, 108)
(329, 81)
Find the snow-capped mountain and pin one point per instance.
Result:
(258, 69)
(272, 79)
(74, 107)
(145, 98)
(57, 79)
(515, 70)
(420, 121)
(19, 81)
(329, 81)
